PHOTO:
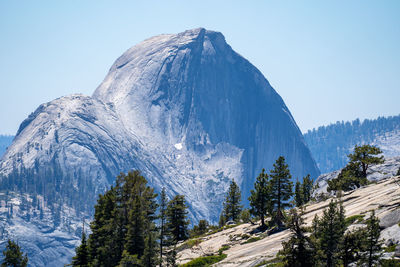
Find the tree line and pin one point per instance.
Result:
(330, 144)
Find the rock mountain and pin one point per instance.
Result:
(185, 109)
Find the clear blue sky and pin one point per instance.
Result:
(329, 60)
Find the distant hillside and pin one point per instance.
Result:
(331, 144)
(5, 141)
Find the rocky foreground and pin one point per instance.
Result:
(247, 247)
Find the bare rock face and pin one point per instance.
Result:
(193, 91)
(185, 109)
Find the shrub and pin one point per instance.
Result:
(223, 248)
(188, 244)
(391, 248)
(352, 219)
(205, 261)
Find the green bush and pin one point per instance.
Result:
(391, 248)
(188, 244)
(245, 236)
(223, 248)
(205, 261)
(352, 219)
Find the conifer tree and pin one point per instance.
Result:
(141, 215)
(260, 204)
(13, 256)
(331, 228)
(150, 258)
(306, 188)
(232, 206)
(373, 244)
(81, 259)
(366, 156)
(123, 229)
(105, 246)
(298, 251)
(199, 229)
(281, 189)
(352, 246)
(163, 218)
(222, 219)
(298, 194)
(177, 223)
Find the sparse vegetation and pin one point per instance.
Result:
(354, 219)
(189, 244)
(391, 248)
(223, 248)
(205, 261)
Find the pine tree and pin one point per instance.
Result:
(177, 223)
(298, 251)
(354, 174)
(260, 204)
(171, 257)
(149, 258)
(352, 246)
(372, 242)
(298, 194)
(13, 256)
(141, 215)
(232, 207)
(331, 228)
(105, 244)
(81, 258)
(222, 219)
(199, 229)
(365, 156)
(307, 188)
(163, 217)
(281, 189)
(123, 229)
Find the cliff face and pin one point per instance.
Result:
(193, 90)
(185, 109)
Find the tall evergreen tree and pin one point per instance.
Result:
(352, 246)
(298, 251)
(123, 229)
(260, 204)
(281, 189)
(222, 219)
(163, 218)
(298, 194)
(105, 246)
(81, 259)
(177, 223)
(13, 256)
(232, 206)
(141, 215)
(330, 231)
(373, 244)
(307, 188)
